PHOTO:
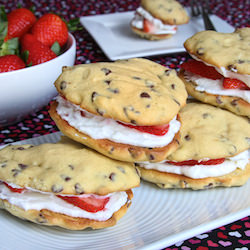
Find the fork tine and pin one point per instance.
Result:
(195, 11)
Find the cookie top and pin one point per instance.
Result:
(65, 167)
(228, 50)
(168, 11)
(210, 132)
(136, 91)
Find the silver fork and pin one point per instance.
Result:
(199, 9)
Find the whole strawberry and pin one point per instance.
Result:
(19, 22)
(49, 29)
(36, 51)
(10, 63)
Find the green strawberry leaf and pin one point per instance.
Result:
(3, 24)
(74, 24)
(25, 55)
(10, 47)
(56, 48)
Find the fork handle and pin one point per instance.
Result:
(207, 22)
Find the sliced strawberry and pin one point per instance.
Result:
(229, 83)
(194, 162)
(148, 27)
(15, 190)
(201, 69)
(90, 203)
(154, 130)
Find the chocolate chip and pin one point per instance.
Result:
(112, 176)
(177, 102)
(184, 184)
(65, 177)
(71, 166)
(234, 102)
(100, 112)
(187, 138)
(115, 91)
(20, 148)
(3, 164)
(151, 157)
(167, 72)
(149, 84)
(56, 188)
(63, 85)
(148, 106)
(241, 61)
(137, 164)
(138, 171)
(232, 68)
(133, 122)
(173, 86)
(205, 115)
(107, 82)
(144, 95)
(177, 141)
(94, 94)
(41, 219)
(106, 71)
(200, 51)
(111, 149)
(15, 172)
(218, 100)
(78, 188)
(210, 185)
(22, 166)
(136, 78)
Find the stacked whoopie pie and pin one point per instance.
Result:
(219, 73)
(65, 184)
(214, 151)
(126, 110)
(158, 19)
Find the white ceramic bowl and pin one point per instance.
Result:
(27, 90)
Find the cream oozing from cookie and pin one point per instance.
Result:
(215, 86)
(227, 73)
(203, 171)
(99, 127)
(160, 27)
(34, 199)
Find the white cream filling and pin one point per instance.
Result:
(160, 27)
(227, 73)
(203, 171)
(215, 86)
(99, 127)
(34, 199)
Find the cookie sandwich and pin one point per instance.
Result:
(214, 151)
(219, 73)
(65, 184)
(126, 110)
(159, 19)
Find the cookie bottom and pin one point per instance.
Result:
(167, 180)
(234, 104)
(49, 218)
(117, 151)
(148, 36)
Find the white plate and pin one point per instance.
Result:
(156, 219)
(113, 34)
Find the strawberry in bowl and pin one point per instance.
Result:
(28, 67)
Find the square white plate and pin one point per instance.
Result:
(113, 34)
(156, 219)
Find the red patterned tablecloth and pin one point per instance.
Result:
(236, 12)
